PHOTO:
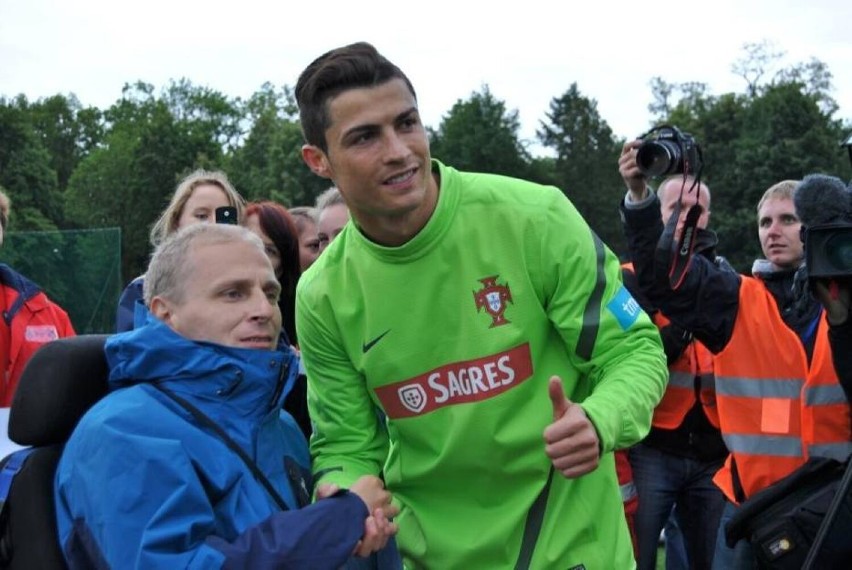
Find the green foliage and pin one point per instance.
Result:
(268, 165)
(751, 143)
(78, 270)
(66, 129)
(585, 167)
(781, 128)
(65, 165)
(150, 143)
(25, 169)
(480, 135)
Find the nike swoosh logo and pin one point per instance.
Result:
(368, 345)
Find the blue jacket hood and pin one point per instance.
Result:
(258, 379)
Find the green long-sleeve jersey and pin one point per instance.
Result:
(454, 336)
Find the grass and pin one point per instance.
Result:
(661, 558)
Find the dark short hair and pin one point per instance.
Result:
(349, 67)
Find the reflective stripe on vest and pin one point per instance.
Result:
(825, 394)
(696, 363)
(782, 446)
(776, 408)
(789, 388)
(678, 379)
(628, 492)
(839, 451)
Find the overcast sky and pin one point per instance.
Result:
(527, 52)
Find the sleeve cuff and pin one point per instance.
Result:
(630, 204)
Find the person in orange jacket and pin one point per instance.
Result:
(778, 395)
(29, 319)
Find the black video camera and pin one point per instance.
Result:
(667, 150)
(824, 206)
(828, 250)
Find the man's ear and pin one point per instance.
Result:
(316, 160)
(162, 309)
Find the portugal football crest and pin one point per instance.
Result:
(493, 298)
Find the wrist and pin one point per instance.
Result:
(638, 199)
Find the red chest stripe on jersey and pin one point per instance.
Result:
(457, 383)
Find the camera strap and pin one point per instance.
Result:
(676, 254)
(685, 246)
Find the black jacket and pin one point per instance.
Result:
(708, 300)
(695, 438)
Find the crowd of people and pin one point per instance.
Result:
(432, 368)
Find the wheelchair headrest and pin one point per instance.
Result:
(62, 380)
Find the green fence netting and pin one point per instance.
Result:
(80, 270)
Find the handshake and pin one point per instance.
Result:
(378, 526)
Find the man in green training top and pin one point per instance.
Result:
(486, 321)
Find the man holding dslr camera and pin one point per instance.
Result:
(778, 396)
(673, 467)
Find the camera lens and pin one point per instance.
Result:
(659, 157)
(838, 251)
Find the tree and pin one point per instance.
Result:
(268, 165)
(758, 60)
(693, 100)
(481, 135)
(207, 115)
(661, 95)
(586, 164)
(26, 173)
(815, 78)
(781, 128)
(150, 144)
(783, 135)
(67, 130)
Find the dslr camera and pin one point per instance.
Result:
(668, 150)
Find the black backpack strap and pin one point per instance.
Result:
(206, 422)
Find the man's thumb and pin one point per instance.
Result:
(557, 397)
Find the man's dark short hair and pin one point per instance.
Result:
(349, 67)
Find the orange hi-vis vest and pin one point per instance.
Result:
(696, 361)
(776, 411)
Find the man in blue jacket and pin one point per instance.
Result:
(188, 462)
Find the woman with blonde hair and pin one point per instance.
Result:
(194, 201)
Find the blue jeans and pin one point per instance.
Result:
(665, 481)
(741, 556)
(676, 558)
